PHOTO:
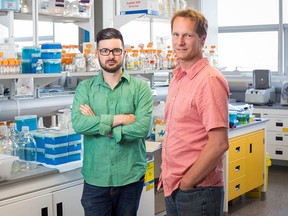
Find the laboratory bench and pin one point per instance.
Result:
(46, 191)
(49, 191)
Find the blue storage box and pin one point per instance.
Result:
(26, 66)
(41, 155)
(52, 65)
(26, 120)
(56, 137)
(51, 51)
(74, 145)
(74, 137)
(56, 148)
(74, 156)
(28, 51)
(56, 159)
(40, 139)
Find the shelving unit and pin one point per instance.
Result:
(41, 80)
(7, 19)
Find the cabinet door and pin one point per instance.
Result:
(37, 206)
(67, 202)
(255, 160)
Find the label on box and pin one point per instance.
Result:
(149, 176)
(159, 132)
(150, 7)
(9, 5)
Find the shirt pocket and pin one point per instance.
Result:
(183, 106)
(126, 104)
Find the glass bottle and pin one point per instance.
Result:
(26, 150)
(6, 146)
(14, 136)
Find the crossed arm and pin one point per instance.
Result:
(120, 119)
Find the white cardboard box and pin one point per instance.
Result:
(150, 7)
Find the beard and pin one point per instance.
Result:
(113, 69)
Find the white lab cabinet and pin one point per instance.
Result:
(66, 202)
(42, 192)
(277, 131)
(36, 206)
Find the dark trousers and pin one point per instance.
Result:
(112, 201)
(201, 201)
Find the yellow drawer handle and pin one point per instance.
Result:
(237, 168)
(237, 187)
(237, 149)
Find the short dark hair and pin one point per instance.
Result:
(109, 33)
(199, 18)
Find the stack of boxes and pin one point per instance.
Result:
(30, 56)
(51, 54)
(57, 147)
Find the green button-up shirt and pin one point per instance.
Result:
(120, 160)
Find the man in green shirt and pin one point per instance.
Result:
(114, 112)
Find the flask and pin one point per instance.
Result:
(26, 150)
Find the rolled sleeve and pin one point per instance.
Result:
(117, 133)
(105, 124)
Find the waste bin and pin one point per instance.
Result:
(256, 192)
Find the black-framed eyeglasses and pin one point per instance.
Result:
(106, 52)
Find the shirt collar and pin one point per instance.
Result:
(192, 71)
(100, 81)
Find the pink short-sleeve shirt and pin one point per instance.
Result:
(197, 102)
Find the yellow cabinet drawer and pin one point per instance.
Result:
(237, 169)
(236, 188)
(237, 148)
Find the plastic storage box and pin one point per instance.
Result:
(51, 54)
(74, 156)
(52, 65)
(56, 159)
(51, 51)
(27, 54)
(26, 120)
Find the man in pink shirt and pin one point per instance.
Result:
(196, 117)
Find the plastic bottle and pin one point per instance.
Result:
(151, 59)
(142, 59)
(160, 60)
(80, 63)
(214, 56)
(129, 63)
(26, 150)
(136, 60)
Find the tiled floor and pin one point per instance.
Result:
(276, 203)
